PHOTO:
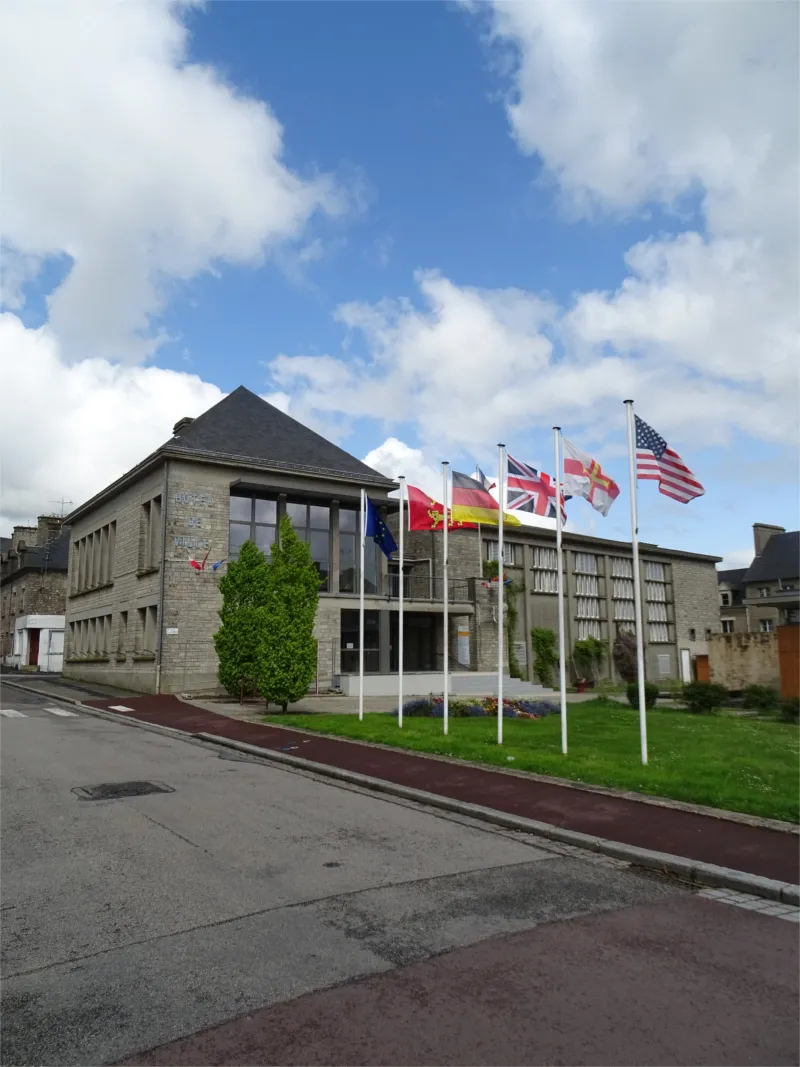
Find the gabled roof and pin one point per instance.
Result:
(733, 578)
(244, 427)
(780, 559)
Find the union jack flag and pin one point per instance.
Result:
(528, 489)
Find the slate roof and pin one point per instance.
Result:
(734, 578)
(51, 557)
(780, 559)
(244, 427)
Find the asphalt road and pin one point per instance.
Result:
(255, 914)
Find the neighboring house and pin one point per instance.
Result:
(765, 595)
(139, 616)
(33, 590)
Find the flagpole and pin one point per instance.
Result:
(445, 596)
(562, 652)
(361, 607)
(400, 634)
(501, 484)
(637, 585)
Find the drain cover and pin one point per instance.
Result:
(117, 790)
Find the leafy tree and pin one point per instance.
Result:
(588, 655)
(624, 655)
(238, 640)
(545, 654)
(288, 651)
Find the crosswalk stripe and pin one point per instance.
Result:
(9, 713)
(61, 711)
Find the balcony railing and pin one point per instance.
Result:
(423, 587)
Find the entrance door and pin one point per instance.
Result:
(33, 648)
(701, 668)
(686, 665)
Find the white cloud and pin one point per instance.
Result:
(140, 167)
(73, 429)
(626, 106)
(737, 557)
(394, 458)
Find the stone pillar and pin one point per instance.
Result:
(333, 575)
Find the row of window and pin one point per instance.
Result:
(98, 637)
(93, 559)
(765, 626)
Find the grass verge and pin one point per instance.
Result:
(736, 764)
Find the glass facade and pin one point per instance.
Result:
(349, 553)
(312, 524)
(349, 641)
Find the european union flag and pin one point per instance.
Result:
(379, 531)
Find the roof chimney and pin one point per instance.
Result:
(762, 533)
(181, 424)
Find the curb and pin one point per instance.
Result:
(696, 871)
(706, 874)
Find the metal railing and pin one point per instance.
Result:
(425, 587)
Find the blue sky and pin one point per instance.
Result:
(473, 189)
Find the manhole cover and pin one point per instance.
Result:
(117, 790)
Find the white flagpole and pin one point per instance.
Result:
(637, 585)
(361, 607)
(400, 634)
(445, 596)
(501, 483)
(562, 652)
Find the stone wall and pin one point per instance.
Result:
(738, 660)
(31, 593)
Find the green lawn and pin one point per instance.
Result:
(733, 763)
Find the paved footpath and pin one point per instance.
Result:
(753, 849)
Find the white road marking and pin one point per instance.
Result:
(61, 711)
(119, 707)
(11, 714)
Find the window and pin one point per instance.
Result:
(656, 572)
(624, 610)
(252, 519)
(509, 554)
(725, 599)
(727, 626)
(141, 626)
(150, 535)
(659, 633)
(122, 635)
(664, 669)
(588, 628)
(764, 591)
(766, 626)
(692, 634)
(349, 556)
(621, 567)
(545, 570)
(585, 563)
(349, 641)
(312, 525)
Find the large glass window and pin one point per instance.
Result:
(349, 555)
(251, 519)
(312, 524)
(349, 642)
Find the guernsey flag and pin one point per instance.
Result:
(473, 503)
(426, 513)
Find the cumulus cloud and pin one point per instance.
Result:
(690, 106)
(736, 558)
(137, 166)
(72, 429)
(395, 458)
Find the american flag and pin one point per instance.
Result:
(530, 490)
(657, 462)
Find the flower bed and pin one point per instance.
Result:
(432, 707)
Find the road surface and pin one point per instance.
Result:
(256, 914)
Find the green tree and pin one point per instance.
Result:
(238, 641)
(624, 656)
(288, 652)
(545, 654)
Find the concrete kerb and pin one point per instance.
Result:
(696, 871)
(707, 874)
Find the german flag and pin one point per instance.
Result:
(473, 503)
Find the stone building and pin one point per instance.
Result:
(33, 594)
(765, 595)
(139, 616)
